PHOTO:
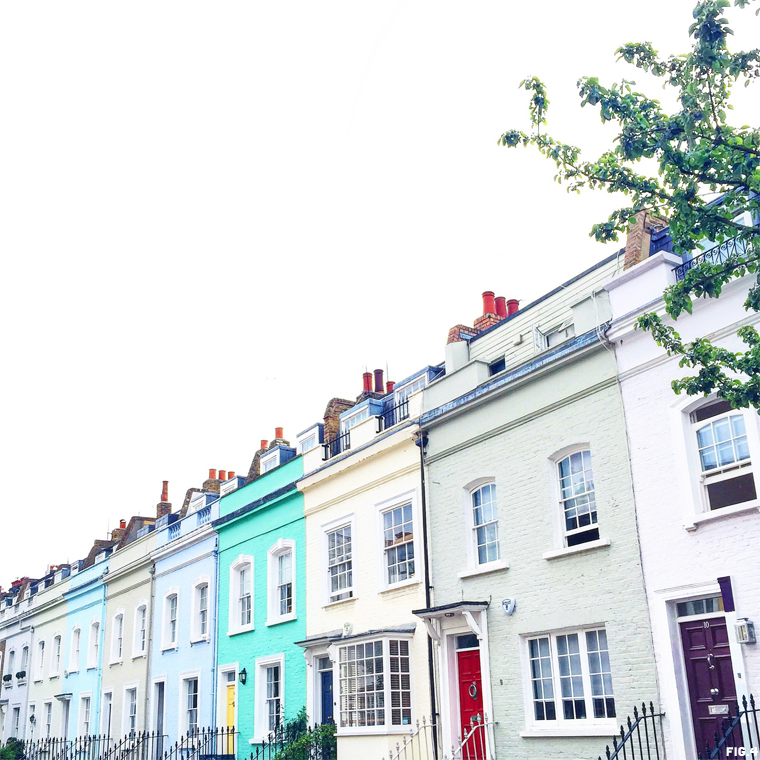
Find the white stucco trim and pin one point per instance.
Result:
(195, 622)
(221, 685)
(182, 723)
(279, 548)
(325, 528)
(260, 727)
(166, 641)
(233, 621)
(408, 497)
(473, 566)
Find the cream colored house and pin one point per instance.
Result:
(48, 711)
(366, 653)
(127, 633)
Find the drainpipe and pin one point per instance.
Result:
(215, 607)
(149, 644)
(422, 442)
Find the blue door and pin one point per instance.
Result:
(326, 682)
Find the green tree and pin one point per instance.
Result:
(691, 168)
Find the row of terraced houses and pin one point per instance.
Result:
(500, 556)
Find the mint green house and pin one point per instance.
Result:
(261, 672)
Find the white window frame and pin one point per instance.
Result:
(167, 641)
(15, 721)
(140, 630)
(39, 664)
(474, 567)
(381, 509)
(10, 663)
(56, 655)
(126, 713)
(93, 645)
(117, 638)
(104, 729)
(565, 453)
(310, 436)
(261, 715)
(196, 634)
(48, 710)
(270, 461)
(222, 682)
(327, 595)
(25, 663)
(75, 649)
(32, 714)
(281, 548)
(354, 419)
(403, 392)
(387, 727)
(560, 726)
(694, 504)
(85, 695)
(234, 625)
(183, 710)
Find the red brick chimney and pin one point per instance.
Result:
(279, 439)
(163, 507)
(255, 469)
(639, 238)
(335, 407)
(211, 485)
(489, 316)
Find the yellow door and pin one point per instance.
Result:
(231, 718)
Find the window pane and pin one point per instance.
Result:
(541, 679)
(361, 684)
(599, 670)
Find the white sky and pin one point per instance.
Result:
(215, 215)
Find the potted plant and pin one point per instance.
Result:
(7, 677)
(21, 674)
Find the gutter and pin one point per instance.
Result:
(421, 442)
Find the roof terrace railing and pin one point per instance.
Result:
(337, 446)
(720, 254)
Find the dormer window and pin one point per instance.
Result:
(196, 503)
(352, 420)
(309, 439)
(409, 389)
(554, 336)
(267, 465)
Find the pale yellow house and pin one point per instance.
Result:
(366, 653)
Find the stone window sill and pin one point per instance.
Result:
(283, 619)
(599, 730)
(488, 567)
(719, 514)
(401, 586)
(568, 550)
(329, 605)
(237, 631)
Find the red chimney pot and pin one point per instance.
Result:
(264, 443)
(222, 474)
(278, 433)
(489, 307)
(165, 491)
(367, 382)
(212, 474)
(512, 306)
(390, 385)
(501, 307)
(122, 523)
(231, 474)
(378, 381)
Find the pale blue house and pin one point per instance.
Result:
(183, 655)
(85, 625)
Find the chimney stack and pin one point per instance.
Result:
(501, 307)
(379, 387)
(212, 484)
(638, 240)
(489, 316)
(512, 306)
(164, 507)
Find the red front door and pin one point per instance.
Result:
(710, 676)
(471, 701)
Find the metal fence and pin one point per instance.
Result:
(337, 446)
(424, 742)
(199, 744)
(393, 416)
(640, 738)
(720, 254)
(298, 741)
(738, 734)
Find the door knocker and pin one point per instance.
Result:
(473, 690)
(710, 663)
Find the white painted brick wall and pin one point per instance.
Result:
(602, 586)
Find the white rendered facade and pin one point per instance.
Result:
(687, 540)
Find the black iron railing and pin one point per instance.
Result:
(729, 249)
(738, 734)
(198, 744)
(393, 416)
(640, 737)
(298, 741)
(337, 446)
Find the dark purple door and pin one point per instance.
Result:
(710, 676)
